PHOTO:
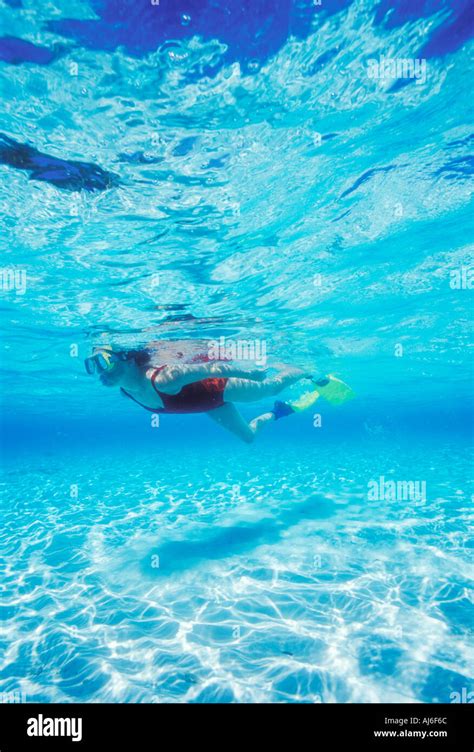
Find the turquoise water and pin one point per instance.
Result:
(266, 190)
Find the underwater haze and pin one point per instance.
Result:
(294, 174)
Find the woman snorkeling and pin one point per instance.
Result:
(210, 387)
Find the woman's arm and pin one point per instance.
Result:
(171, 379)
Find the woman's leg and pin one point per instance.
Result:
(245, 390)
(229, 418)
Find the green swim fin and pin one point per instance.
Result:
(334, 390)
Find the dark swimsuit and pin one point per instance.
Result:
(198, 397)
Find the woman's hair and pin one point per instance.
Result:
(141, 357)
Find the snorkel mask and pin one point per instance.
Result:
(104, 360)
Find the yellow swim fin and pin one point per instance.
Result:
(335, 391)
(306, 400)
(329, 387)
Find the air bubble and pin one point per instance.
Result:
(185, 19)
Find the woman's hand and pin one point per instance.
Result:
(171, 379)
(256, 374)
